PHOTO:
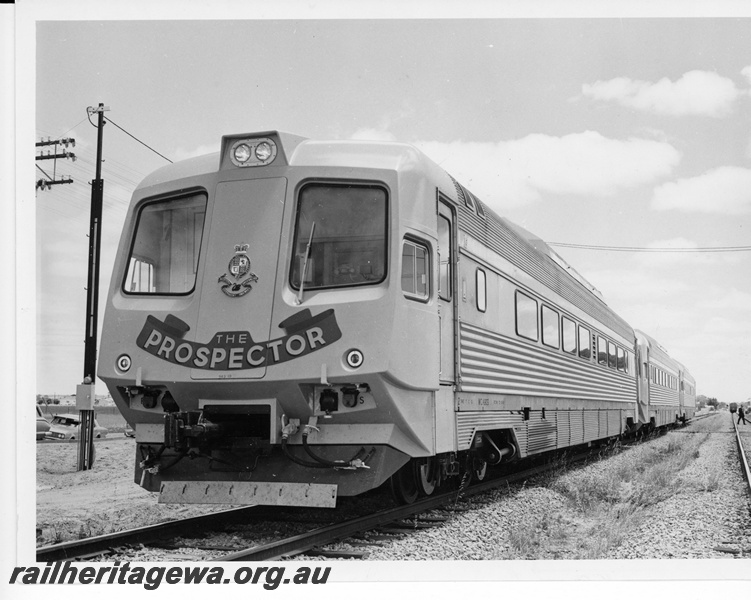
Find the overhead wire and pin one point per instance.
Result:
(708, 249)
(135, 138)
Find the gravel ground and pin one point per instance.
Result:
(703, 513)
(706, 515)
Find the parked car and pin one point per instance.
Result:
(68, 427)
(43, 425)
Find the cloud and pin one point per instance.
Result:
(517, 172)
(725, 300)
(746, 72)
(725, 190)
(696, 93)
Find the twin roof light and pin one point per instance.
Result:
(253, 152)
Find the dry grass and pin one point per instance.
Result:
(617, 499)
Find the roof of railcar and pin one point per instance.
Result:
(395, 156)
(385, 155)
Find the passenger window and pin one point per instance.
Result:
(526, 316)
(481, 291)
(550, 328)
(602, 351)
(584, 347)
(621, 359)
(611, 355)
(415, 271)
(444, 258)
(569, 335)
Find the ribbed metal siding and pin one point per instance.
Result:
(542, 434)
(494, 233)
(660, 396)
(493, 363)
(467, 423)
(559, 429)
(563, 419)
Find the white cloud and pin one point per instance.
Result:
(695, 93)
(516, 172)
(725, 190)
(728, 300)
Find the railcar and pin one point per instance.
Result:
(291, 321)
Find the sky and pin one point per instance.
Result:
(630, 129)
(605, 132)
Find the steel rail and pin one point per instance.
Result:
(742, 455)
(149, 533)
(330, 534)
(287, 547)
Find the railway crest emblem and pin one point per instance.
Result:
(239, 269)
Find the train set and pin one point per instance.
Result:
(291, 321)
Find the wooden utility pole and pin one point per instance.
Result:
(85, 393)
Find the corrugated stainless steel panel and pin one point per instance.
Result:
(564, 428)
(577, 427)
(490, 362)
(467, 423)
(496, 234)
(602, 425)
(660, 396)
(541, 433)
(591, 425)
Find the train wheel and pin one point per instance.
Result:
(427, 474)
(404, 486)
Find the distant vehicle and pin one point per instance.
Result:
(68, 427)
(43, 425)
(129, 432)
(733, 407)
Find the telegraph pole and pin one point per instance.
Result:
(50, 181)
(85, 392)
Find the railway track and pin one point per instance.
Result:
(743, 441)
(393, 520)
(425, 512)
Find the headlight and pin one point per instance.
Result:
(263, 151)
(253, 152)
(242, 153)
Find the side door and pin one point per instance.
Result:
(643, 380)
(446, 291)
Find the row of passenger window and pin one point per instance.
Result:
(561, 332)
(662, 378)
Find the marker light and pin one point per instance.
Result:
(355, 358)
(123, 363)
(242, 153)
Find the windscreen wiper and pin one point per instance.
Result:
(305, 264)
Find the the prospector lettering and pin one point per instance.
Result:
(236, 350)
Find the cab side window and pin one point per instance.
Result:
(415, 270)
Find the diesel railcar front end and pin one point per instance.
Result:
(254, 336)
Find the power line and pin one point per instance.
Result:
(139, 141)
(706, 249)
